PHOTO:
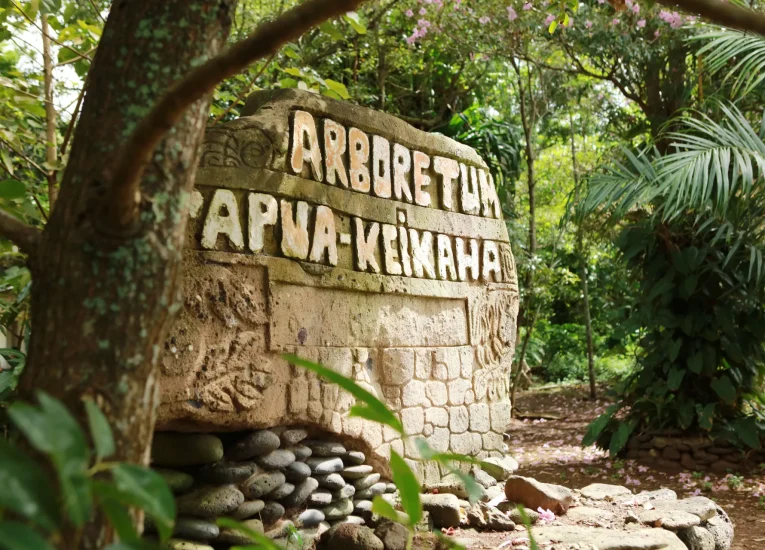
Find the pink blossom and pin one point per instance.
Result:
(657, 33)
(615, 21)
(545, 515)
(423, 11)
(409, 13)
(641, 23)
(629, 3)
(636, 8)
(485, 19)
(550, 18)
(511, 15)
(424, 23)
(527, 6)
(588, 24)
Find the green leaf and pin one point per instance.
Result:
(120, 519)
(52, 430)
(293, 71)
(263, 542)
(330, 30)
(136, 544)
(675, 378)
(552, 27)
(706, 416)
(725, 389)
(337, 87)
(147, 490)
(355, 21)
(26, 488)
(384, 509)
(12, 189)
(620, 437)
(372, 408)
(7, 162)
(748, 431)
(597, 426)
(685, 413)
(17, 536)
(408, 488)
(674, 348)
(100, 430)
(288, 83)
(696, 362)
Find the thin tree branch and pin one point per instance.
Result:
(95, 9)
(26, 158)
(724, 13)
(74, 59)
(37, 201)
(246, 89)
(123, 197)
(22, 235)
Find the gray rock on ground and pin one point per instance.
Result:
(609, 539)
(702, 507)
(181, 544)
(603, 491)
(301, 493)
(323, 465)
(349, 536)
(338, 510)
(257, 443)
(272, 512)
(325, 448)
(195, 529)
(444, 509)
(451, 484)
(210, 501)
(277, 459)
(721, 529)
(697, 538)
(233, 537)
(394, 536)
(500, 468)
(248, 509)
(535, 494)
(261, 484)
(332, 482)
(483, 478)
(310, 518)
(674, 520)
(177, 449)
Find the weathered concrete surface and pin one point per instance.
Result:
(350, 238)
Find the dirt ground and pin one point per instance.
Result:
(550, 451)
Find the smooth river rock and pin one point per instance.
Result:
(195, 529)
(301, 493)
(210, 501)
(320, 465)
(277, 459)
(178, 449)
(261, 484)
(255, 444)
(297, 471)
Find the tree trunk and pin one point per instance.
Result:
(102, 303)
(583, 267)
(50, 112)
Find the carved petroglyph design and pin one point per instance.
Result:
(224, 148)
(493, 327)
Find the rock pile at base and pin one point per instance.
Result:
(274, 481)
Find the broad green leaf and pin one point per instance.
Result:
(725, 389)
(696, 362)
(597, 426)
(675, 378)
(12, 189)
(7, 162)
(337, 87)
(748, 431)
(146, 489)
(120, 519)
(706, 416)
(685, 413)
(674, 348)
(52, 430)
(263, 542)
(372, 408)
(474, 490)
(293, 71)
(290, 52)
(383, 508)
(100, 430)
(17, 536)
(355, 21)
(288, 83)
(408, 488)
(329, 29)
(620, 437)
(552, 27)
(26, 488)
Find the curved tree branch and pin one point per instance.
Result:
(23, 235)
(121, 202)
(724, 13)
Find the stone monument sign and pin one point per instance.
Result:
(347, 237)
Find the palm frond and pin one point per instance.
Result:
(741, 54)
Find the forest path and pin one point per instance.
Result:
(550, 451)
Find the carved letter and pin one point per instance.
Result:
(359, 152)
(295, 233)
(422, 253)
(489, 199)
(263, 211)
(421, 162)
(469, 198)
(334, 149)
(402, 166)
(305, 143)
(465, 262)
(324, 236)
(446, 269)
(403, 249)
(365, 247)
(223, 217)
(491, 262)
(381, 167)
(449, 170)
(390, 255)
